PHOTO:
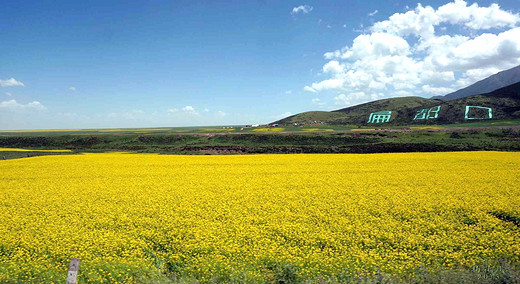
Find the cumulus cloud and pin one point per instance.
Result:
(309, 89)
(72, 88)
(333, 67)
(14, 105)
(190, 110)
(475, 17)
(12, 82)
(318, 102)
(184, 110)
(304, 9)
(423, 20)
(406, 54)
(437, 90)
(343, 100)
(373, 13)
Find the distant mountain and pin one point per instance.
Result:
(494, 82)
(504, 104)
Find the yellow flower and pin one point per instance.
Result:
(253, 216)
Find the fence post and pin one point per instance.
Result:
(73, 271)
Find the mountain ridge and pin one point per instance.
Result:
(494, 82)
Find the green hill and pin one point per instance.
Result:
(504, 104)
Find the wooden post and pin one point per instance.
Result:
(73, 271)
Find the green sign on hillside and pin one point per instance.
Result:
(380, 117)
(426, 113)
(478, 112)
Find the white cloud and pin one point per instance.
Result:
(14, 105)
(355, 98)
(221, 113)
(437, 90)
(333, 67)
(332, 54)
(422, 20)
(485, 50)
(404, 55)
(373, 13)
(309, 89)
(376, 45)
(304, 9)
(419, 22)
(12, 82)
(190, 110)
(325, 85)
(8, 94)
(184, 110)
(317, 101)
(72, 88)
(475, 17)
(402, 93)
(342, 100)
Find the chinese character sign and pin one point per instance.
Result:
(426, 113)
(379, 117)
(478, 112)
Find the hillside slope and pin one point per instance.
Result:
(494, 82)
(504, 104)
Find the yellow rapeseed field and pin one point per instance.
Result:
(267, 129)
(135, 217)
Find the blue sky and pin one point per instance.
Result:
(93, 64)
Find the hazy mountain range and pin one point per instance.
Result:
(494, 82)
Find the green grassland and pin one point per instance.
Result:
(362, 141)
(16, 155)
(244, 129)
